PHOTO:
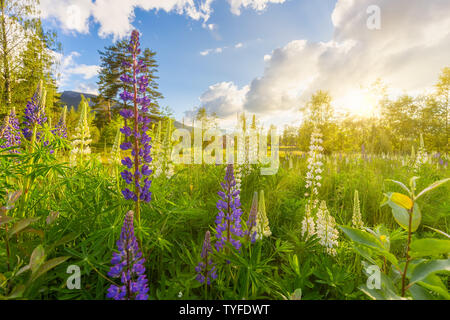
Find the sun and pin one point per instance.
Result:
(359, 103)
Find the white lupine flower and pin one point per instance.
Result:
(262, 222)
(325, 229)
(238, 176)
(314, 165)
(161, 153)
(308, 225)
(421, 157)
(115, 156)
(356, 217)
(81, 138)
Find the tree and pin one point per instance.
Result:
(112, 68)
(443, 90)
(16, 18)
(319, 109)
(37, 62)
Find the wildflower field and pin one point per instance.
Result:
(326, 211)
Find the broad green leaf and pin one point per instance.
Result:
(22, 224)
(365, 253)
(17, 292)
(426, 268)
(37, 258)
(402, 200)
(419, 293)
(401, 215)
(23, 269)
(432, 186)
(401, 185)
(429, 247)
(434, 283)
(48, 265)
(362, 237)
(386, 292)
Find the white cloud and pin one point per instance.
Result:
(258, 5)
(224, 99)
(67, 67)
(407, 53)
(88, 72)
(116, 16)
(220, 49)
(91, 88)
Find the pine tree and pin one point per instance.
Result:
(112, 68)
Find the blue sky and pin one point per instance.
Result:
(265, 57)
(178, 40)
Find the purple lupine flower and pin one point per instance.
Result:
(228, 220)
(251, 222)
(206, 270)
(34, 115)
(10, 132)
(61, 128)
(139, 142)
(128, 265)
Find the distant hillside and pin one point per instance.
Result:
(73, 98)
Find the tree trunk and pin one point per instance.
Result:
(6, 72)
(109, 111)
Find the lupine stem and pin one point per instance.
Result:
(408, 258)
(136, 142)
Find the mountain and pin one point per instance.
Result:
(73, 98)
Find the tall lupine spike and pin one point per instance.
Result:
(313, 176)
(61, 128)
(128, 265)
(35, 114)
(228, 220)
(139, 140)
(206, 270)
(326, 229)
(308, 224)
(82, 137)
(252, 219)
(262, 227)
(115, 156)
(356, 217)
(10, 132)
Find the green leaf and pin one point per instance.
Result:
(422, 270)
(362, 237)
(401, 215)
(429, 247)
(48, 265)
(367, 239)
(297, 295)
(434, 283)
(432, 186)
(17, 292)
(400, 184)
(22, 224)
(37, 258)
(4, 219)
(419, 293)
(438, 231)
